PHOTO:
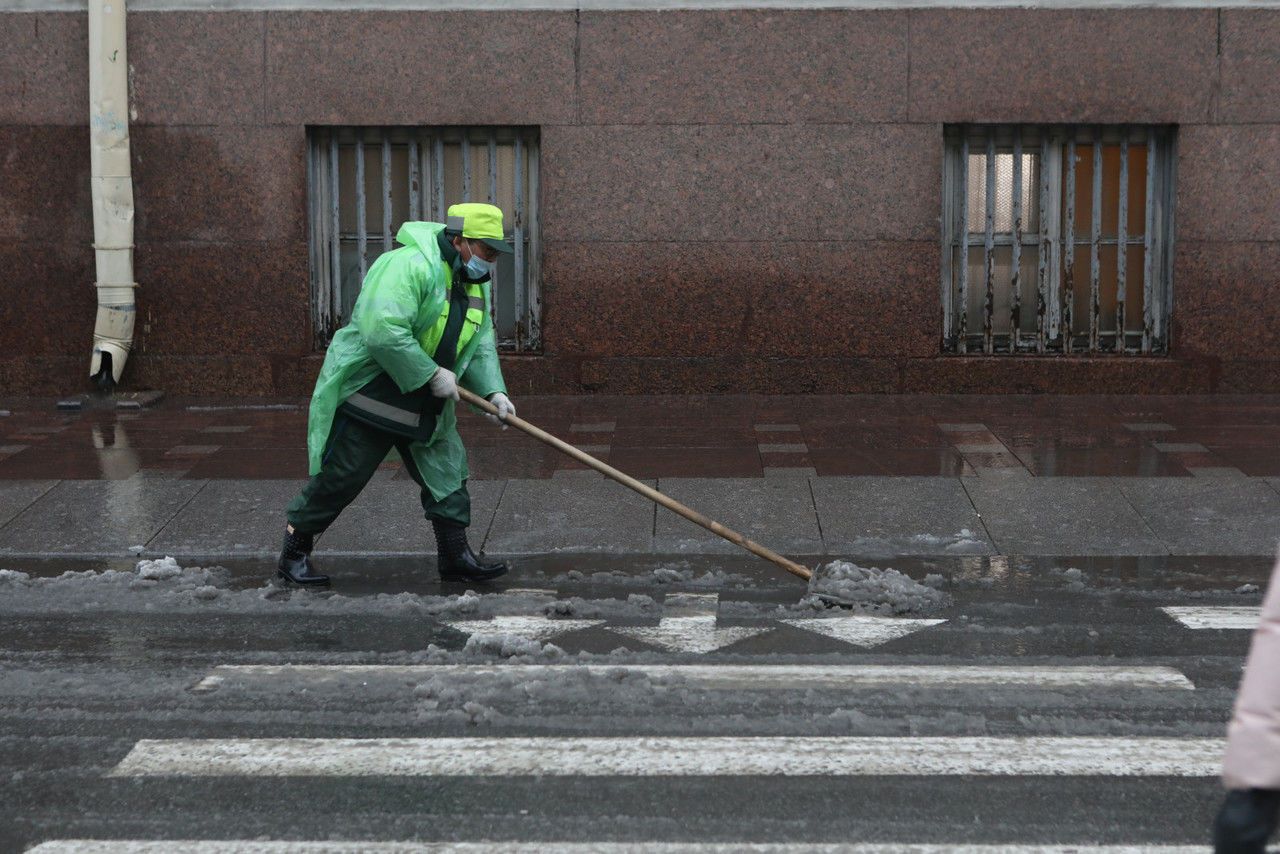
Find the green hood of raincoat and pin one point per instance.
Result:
(403, 295)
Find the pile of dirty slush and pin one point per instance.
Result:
(875, 590)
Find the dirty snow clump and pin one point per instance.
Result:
(12, 576)
(873, 589)
(511, 646)
(158, 570)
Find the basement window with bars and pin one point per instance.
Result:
(1057, 239)
(365, 182)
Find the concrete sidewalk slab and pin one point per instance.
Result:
(776, 512)
(1208, 515)
(95, 517)
(229, 517)
(577, 514)
(1062, 515)
(18, 495)
(886, 516)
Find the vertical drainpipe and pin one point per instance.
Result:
(112, 186)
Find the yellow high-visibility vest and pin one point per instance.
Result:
(430, 339)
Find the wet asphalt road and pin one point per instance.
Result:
(90, 671)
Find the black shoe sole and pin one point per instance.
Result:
(289, 578)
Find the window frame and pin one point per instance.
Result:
(426, 201)
(1054, 244)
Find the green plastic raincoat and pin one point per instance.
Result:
(402, 297)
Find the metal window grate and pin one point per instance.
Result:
(1063, 219)
(365, 182)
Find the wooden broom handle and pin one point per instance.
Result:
(644, 489)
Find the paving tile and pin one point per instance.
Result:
(778, 513)
(924, 462)
(769, 460)
(265, 463)
(1216, 471)
(575, 514)
(893, 434)
(1255, 462)
(837, 462)
(783, 448)
(899, 462)
(677, 436)
(80, 463)
(236, 517)
(992, 459)
(97, 517)
(1100, 462)
(1180, 448)
(886, 516)
(1208, 515)
(18, 495)
(790, 471)
(1061, 516)
(687, 462)
(996, 448)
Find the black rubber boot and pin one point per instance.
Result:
(295, 561)
(1245, 822)
(456, 560)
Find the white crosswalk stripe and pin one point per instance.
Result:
(675, 756)
(1215, 617)
(780, 677)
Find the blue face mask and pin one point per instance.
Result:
(477, 267)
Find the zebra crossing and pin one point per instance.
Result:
(713, 758)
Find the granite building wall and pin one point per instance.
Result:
(742, 200)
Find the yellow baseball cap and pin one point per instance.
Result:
(476, 221)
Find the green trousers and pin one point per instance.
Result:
(352, 454)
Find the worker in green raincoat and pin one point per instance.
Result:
(420, 327)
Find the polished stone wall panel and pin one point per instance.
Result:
(1227, 300)
(45, 185)
(62, 374)
(1023, 65)
(412, 68)
(746, 65)
(741, 182)
(224, 298)
(45, 71)
(50, 303)
(1229, 182)
(1250, 66)
(197, 67)
(1249, 377)
(220, 183)
(749, 299)
(224, 374)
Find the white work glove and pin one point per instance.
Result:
(444, 383)
(505, 408)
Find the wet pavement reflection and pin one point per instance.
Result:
(690, 436)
